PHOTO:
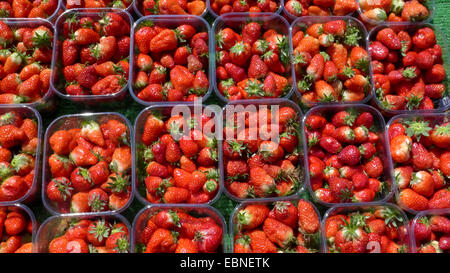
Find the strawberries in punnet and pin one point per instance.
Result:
(345, 155)
(331, 62)
(299, 8)
(16, 229)
(261, 151)
(89, 167)
(178, 157)
(171, 64)
(25, 59)
(408, 68)
(27, 9)
(179, 230)
(92, 235)
(381, 229)
(284, 226)
(420, 149)
(252, 61)
(171, 7)
(432, 233)
(94, 54)
(221, 7)
(76, 4)
(393, 11)
(19, 141)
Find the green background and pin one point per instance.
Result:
(131, 109)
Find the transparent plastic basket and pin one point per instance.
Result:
(235, 21)
(433, 118)
(301, 24)
(300, 164)
(442, 104)
(55, 226)
(28, 112)
(338, 209)
(233, 226)
(378, 123)
(46, 102)
(140, 221)
(171, 21)
(68, 122)
(57, 78)
(166, 110)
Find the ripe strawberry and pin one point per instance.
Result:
(279, 233)
(259, 242)
(308, 220)
(285, 212)
(413, 200)
(59, 189)
(252, 216)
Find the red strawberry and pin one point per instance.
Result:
(389, 38)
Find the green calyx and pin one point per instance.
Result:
(417, 128)
(96, 203)
(119, 183)
(20, 161)
(100, 230)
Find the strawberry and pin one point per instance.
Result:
(279, 233)
(259, 242)
(252, 216)
(85, 36)
(413, 200)
(59, 189)
(153, 127)
(82, 156)
(308, 220)
(351, 238)
(389, 38)
(330, 144)
(400, 148)
(284, 212)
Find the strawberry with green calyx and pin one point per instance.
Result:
(351, 238)
(22, 164)
(59, 189)
(98, 232)
(98, 200)
(417, 129)
(91, 130)
(118, 183)
(251, 216)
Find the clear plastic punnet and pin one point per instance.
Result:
(57, 81)
(379, 126)
(235, 22)
(280, 8)
(301, 24)
(31, 217)
(57, 225)
(423, 217)
(115, 4)
(198, 211)
(171, 21)
(392, 216)
(166, 112)
(46, 103)
(384, 16)
(292, 17)
(430, 119)
(312, 241)
(138, 9)
(31, 113)
(440, 105)
(68, 122)
(230, 108)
